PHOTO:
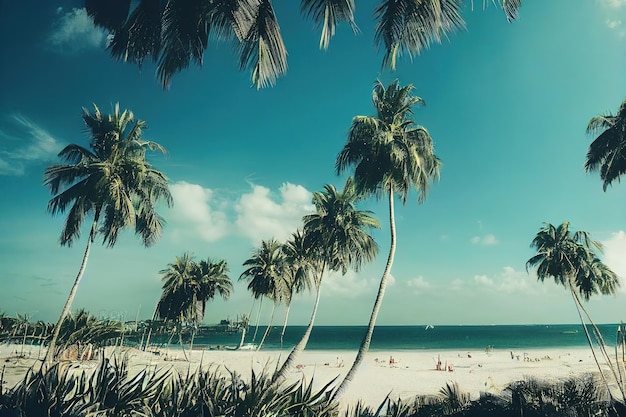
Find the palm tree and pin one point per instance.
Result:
(607, 153)
(175, 33)
(188, 286)
(298, 271)
(569, 258)
(265, 276)
(211, 278)
(391, 155)
(337, 239)
(113, 182)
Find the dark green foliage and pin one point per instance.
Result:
(111, 391)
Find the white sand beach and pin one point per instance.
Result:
(412, 373)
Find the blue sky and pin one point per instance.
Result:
(507, 106)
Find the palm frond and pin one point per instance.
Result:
(262, 48)
(327, 14)
(108, 14)
(140, 36)
(407, 26)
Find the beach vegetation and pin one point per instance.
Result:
(187, 286)
(390, 155)
(111, 390)
(265, 274)
(175, 34)
(570, 259)
(299, 270)
(111, 181)
(607, 153)
(337, 237)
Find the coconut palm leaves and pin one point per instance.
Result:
(188, 285)
(266, 276)
(336, 237)
(607, 153)
(570, 259)
(299, 270)
(175, 33)
(391, 155)
(112, 182)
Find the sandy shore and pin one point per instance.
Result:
(412, 373)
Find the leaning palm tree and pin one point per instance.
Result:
(391, 155)
(337, 239)
(607, 153)
(111, 181)
(175, 34)
(298, 271)
(570, 259)
(265, 276)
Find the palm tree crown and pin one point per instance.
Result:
(389, 152)
(338, 232)
(112, 181)
(607, 153)
(175, 33)
(569, 259)
(265, 272)
(188, 285)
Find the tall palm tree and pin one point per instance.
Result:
(570, 259)
(265, 276)
(337, 239)
(111, 181)
(298, 271)
(607, 153)
(175, 33)
(391, 155)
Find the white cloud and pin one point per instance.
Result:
(614, 4)
(485, 240)
(260, 217)
(351, 285)
(30, 143)
(418, 285)
(614, 250)
(194, 213)
(612, 24)
(508, 281)
(75, 31)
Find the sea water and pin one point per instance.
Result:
(420, 337)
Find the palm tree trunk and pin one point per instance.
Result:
(180, 341)
(243, 336)
(258, 316)
(50, 354)
(602, 345)
(367, 339)
(267, 330)
(151, 325)
(282, 334)
(593, 352)
(284, 369)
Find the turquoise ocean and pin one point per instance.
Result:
(387, 338)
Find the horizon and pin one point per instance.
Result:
(506, 104)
